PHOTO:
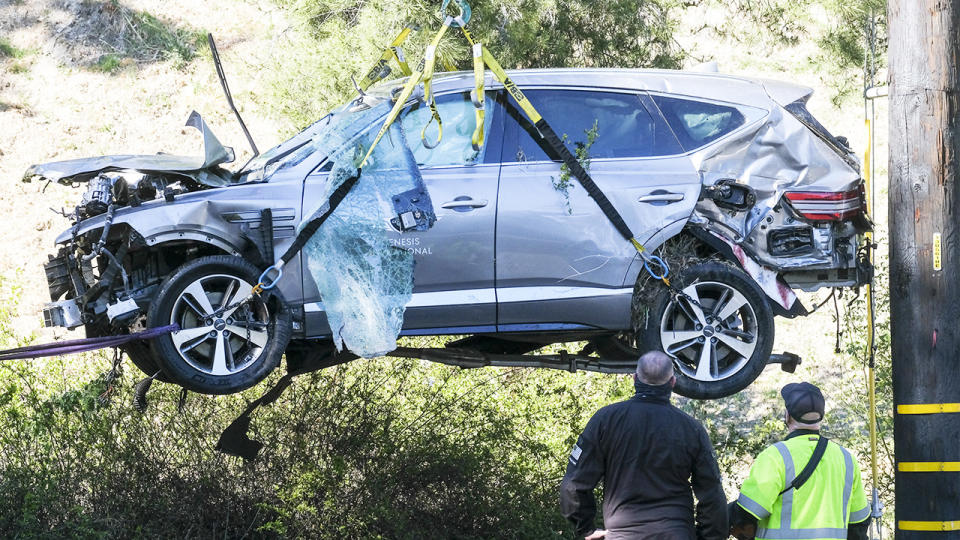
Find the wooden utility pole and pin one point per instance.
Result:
(924, 51)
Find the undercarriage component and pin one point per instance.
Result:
(787, 360)
(66, 313)
(123, 311)
(495, 345)
(467, 358)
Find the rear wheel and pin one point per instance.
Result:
(220, 348)
(719, 331)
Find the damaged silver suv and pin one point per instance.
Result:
(730, 180)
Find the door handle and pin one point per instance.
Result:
(661, 197)
(464, 202)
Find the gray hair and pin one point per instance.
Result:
(654, 368)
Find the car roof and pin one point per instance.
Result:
(698, 84)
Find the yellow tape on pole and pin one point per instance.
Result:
(928, 525)
(929, 408)
(929, 466)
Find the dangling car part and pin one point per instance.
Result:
(717, 158)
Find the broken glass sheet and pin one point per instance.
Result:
(364, 280)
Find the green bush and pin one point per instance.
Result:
(375, 448)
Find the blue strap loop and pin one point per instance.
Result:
(267, 285)
(657, 261)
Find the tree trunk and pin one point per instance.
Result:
(924, 49)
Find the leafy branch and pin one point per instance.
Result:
(582, 152)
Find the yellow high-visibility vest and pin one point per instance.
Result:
(822, 508)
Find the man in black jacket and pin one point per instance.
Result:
(649, 455)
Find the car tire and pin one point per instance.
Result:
(218, 353)
(728, 352)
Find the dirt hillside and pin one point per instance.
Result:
(81, 80)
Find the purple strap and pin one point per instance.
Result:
(74, 346)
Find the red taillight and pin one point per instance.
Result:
(827, 205)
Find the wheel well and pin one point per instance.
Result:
(149, 266)
(678, 251)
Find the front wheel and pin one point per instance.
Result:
(220, 348)
(719, 331)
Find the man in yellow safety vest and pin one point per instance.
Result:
(802, 488)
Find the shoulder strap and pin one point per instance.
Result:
(811, 465)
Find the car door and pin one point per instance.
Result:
(454, 259)
(560, 263)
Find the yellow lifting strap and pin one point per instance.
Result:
(429, 62)
(412, 82)
(871, 374)
(478, 96)
(381, 69)
(481, 58)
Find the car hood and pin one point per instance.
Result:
(203, 169)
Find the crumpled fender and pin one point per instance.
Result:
(201, 221)
(202, 169)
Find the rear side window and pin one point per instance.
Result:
(698, 123)
(842, 147)
(624, 128)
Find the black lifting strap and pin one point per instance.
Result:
(551, 141)
(807, 471)
(321, 215)
(234, 439)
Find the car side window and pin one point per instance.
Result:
(624, 127)
(697, 123)
(459, 120)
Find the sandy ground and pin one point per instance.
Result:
(54, 106)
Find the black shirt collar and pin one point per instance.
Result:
(656, 394)
(799, 432)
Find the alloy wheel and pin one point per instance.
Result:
(215, 340)
(711, 333)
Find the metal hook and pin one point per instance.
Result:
(460, 20)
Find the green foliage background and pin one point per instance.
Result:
(392, 448)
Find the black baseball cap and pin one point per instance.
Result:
(804, 402)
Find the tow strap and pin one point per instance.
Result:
(74, 346)
(381, 69)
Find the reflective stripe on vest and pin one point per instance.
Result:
(860, 515)
(753, 506)
(786, 531)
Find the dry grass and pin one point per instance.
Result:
(56, 108)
